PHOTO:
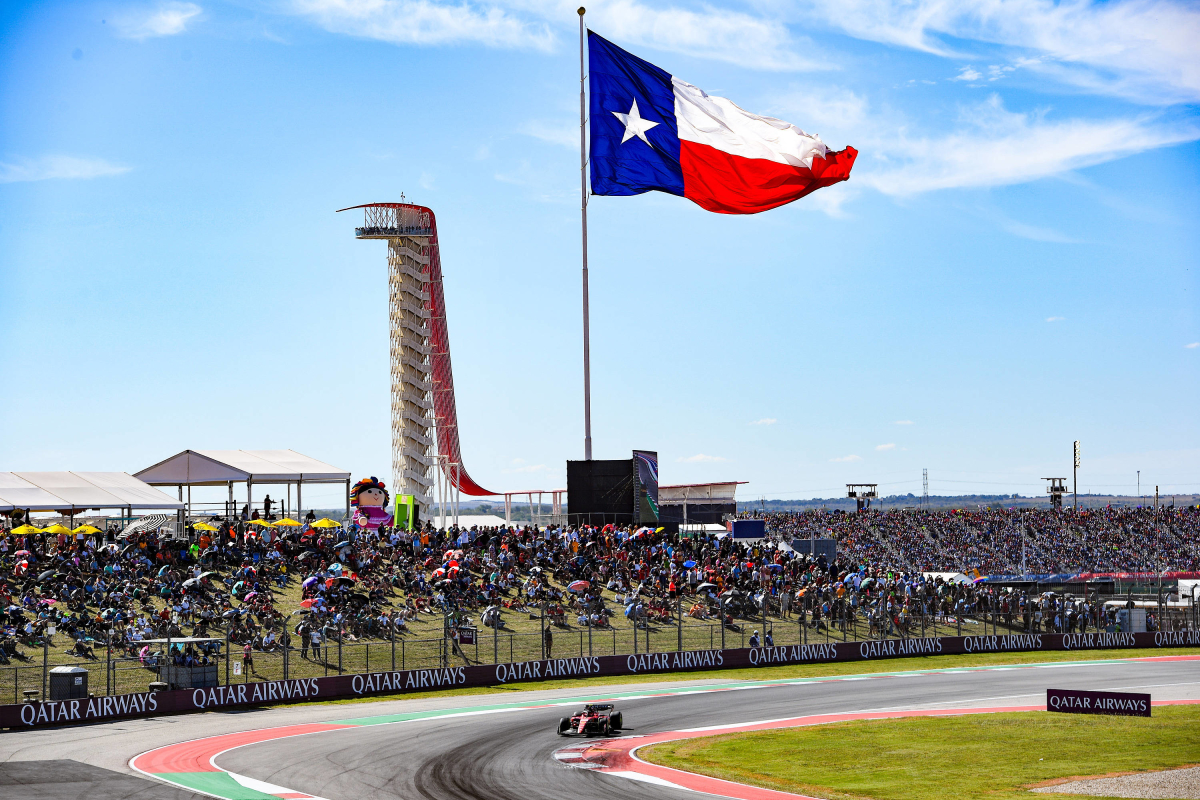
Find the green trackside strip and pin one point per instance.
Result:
(219, 784)
(387, 719)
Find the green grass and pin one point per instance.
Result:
(997, 756)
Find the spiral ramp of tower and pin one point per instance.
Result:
(424, 416)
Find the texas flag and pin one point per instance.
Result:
(651, 131)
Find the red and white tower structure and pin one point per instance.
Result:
(426, 454)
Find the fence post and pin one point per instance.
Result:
(339, 647)
(287, 646)
(393, 627)
(679, 621)
(401, 655)
(226, 656)
(542, 629)
(108, 665)
(496, 643)
(589, 638)
(45, 662)
(721, 611)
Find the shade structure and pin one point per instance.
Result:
(326, 523)
(203, 526)
(287, 522)
(76, 491)
(25, 530)
(57, 528)
(220, 467)
(86, 529)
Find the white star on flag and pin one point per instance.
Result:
(634, 124)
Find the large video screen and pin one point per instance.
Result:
(646, 466)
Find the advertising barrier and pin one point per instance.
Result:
(96, 709)
(1076, 701)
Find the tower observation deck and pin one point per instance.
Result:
(424, 418)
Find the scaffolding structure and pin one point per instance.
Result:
(424, 417)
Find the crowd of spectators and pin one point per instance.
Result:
(125, 593)
(1010, 541)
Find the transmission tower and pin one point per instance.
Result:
(925, 489)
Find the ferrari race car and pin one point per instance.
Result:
(595, 719)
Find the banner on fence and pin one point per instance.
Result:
(94, 709)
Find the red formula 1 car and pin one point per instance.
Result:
(595, 719)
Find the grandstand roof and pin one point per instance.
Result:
(219, 467)
(76, 491)
(698, 493)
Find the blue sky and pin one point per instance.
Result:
(1012, 266)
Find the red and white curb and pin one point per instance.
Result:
(618, 757)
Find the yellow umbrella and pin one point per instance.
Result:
(288, 522)
(85, 528)
(203, 526)
(57, 528)
(326, 522)
(260, 522)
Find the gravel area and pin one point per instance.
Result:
(1170, 784)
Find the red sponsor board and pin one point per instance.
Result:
(64, 712)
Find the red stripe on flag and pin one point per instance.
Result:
(728, 184)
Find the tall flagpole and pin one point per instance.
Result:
(587, 356)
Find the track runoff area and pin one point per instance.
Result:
(490, 746)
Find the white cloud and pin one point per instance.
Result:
(997, 147)
(519, 466)
(847, 458)
(888, 446)
(738, 38)
(967, 74)
(1192, 346)
(1034, 232)
(699, 458)
(51, 167)
(427, 22)
(165, 19)
(903, 422)
(764, 421)
(565, 134)
(1055, 319)
(1145, 49)
(714, 33)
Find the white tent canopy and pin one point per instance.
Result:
(220, 467)
(77, 491)
(227, 467)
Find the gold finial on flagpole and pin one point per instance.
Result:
(582, 10)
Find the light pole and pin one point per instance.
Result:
(1075, 479)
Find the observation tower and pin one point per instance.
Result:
(424, 418)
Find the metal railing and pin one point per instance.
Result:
(111, 672)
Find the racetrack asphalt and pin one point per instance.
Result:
(506, 753)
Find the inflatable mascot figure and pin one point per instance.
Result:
(370, 497)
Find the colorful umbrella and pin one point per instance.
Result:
(326, 523)
(249, 596)
(578, 586)
(25, 530)
(288, 522)
(203, 526)
(689, 564)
